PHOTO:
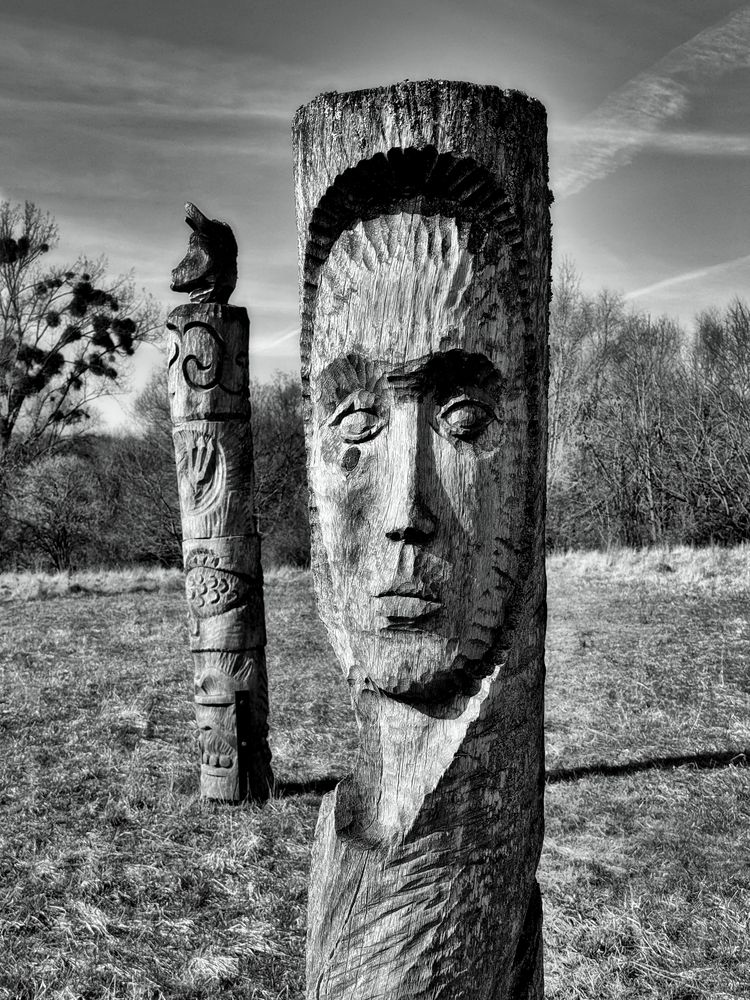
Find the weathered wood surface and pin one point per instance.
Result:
(208, 389)
(424, 243)
(208, 374)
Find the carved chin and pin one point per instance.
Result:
(418, 669)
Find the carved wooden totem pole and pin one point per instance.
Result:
(424, 244)
(208, 390)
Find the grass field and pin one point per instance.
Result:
(118, 883)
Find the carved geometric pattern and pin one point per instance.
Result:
(211, 590)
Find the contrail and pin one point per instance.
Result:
(635, 114)
(273, 341)
(702, 272)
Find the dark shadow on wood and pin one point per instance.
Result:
(314, 786)
(700, 761)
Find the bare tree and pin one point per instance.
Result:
(146, 469)
(581, 330)
(280, 472)
(57, 506)
(716, 472)
(64, 332)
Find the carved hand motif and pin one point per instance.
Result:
(201, 469)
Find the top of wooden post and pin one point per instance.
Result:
(433, 146)
(336, 131)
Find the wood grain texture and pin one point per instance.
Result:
(424, 240)
(208, 387)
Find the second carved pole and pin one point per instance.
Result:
(208, 388)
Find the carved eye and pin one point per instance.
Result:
(465, 418)
(359, 425)
(357, 419)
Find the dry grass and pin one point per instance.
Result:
(28, 586)
(118, 883)
(707, 569)
(40, 586)
(646, 872)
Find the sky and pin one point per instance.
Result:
(112, 115)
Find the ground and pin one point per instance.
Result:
(117, 882)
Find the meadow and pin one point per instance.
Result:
(117, 882)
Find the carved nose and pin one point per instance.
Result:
(409, 519)
(416, 528)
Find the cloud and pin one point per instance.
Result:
(700, 274)
(97, 71)
(634, 116)
(88, 116)
(685, 143)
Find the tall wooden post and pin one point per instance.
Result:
(210, 407)
(424, 248)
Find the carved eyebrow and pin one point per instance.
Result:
(443, 372)
(446, 370)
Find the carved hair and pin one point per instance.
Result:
(434, 185)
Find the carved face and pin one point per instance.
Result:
(417, 454)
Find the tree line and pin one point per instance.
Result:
(111, 499)
(649, 427)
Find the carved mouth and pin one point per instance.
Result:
(217, 753)
(405, 609)
(219, 762)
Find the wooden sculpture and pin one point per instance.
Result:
(424, 248)
(208, 391)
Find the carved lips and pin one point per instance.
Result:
(216, 736)
(406, 602)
